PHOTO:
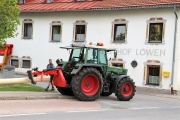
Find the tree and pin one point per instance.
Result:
(9, 13)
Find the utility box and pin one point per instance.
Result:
(8, 72)
(166, 73)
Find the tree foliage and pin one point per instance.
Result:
(9, 20)
(121, 36)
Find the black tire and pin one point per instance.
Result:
(65, 91)
(106, 93)
(87, 84)
(125, 89)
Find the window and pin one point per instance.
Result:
(21, 1)
(155, 31)
(119, 31)
(55, 31)
(75, 56)
(117, 62)
(102, 57)
(27, 29)
(15, 63)
(49, 1)
(79, 31)
(153, 73)
(92, 56)
(26, 64)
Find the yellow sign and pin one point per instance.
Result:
(166, 73)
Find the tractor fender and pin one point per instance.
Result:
(98, 67)
(114, 85)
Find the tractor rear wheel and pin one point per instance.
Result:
(65, 91)
(125, 89)
(87, 84)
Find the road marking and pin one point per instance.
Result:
(86, 111)
(144, 108)
(13, 115)
(176, 107)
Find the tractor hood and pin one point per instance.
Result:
(117, 70)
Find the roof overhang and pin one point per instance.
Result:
(106, 9)
(138, 7)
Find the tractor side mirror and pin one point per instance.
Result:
(115, 53)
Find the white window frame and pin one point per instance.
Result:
(117, 61)
(56, 23)
(153, 62)
(81, 22)
(24, 22)
(14, 59)
(155, 20)
(116, 22)
(28, 59)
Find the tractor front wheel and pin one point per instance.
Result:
(87, 84)
(125, 89)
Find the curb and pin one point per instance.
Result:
(35, 97)
(72, 97)
(161, 95)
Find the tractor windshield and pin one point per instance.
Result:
(76, 54)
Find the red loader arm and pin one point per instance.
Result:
(59, 79)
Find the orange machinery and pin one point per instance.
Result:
(7, 50)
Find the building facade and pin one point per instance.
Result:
(147, 36)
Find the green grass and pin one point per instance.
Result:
(22, 87)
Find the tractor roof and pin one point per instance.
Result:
(74, 46)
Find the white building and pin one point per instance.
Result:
(142, 31)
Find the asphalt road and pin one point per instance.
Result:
(141, 107)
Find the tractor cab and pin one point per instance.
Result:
(76, 56)
(85, 54)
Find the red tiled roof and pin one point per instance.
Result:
(133, 3)
(67, 5)
(57, 5)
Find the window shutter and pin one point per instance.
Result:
(50, 33)
(22, 31)
(60, 32)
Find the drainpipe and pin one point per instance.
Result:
(174, 49)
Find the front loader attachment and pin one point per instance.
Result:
(58, 80)
(29, 72)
